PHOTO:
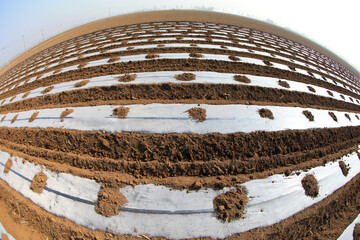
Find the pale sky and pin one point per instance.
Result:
(332, 24)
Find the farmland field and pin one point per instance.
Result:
(179, 129)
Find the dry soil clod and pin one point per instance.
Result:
(8, 165)
(109, 200)
(284, 84)
(344, 168)
(47, 90)
(311, 89)
(230, 205)
(333, 116)
(81, 84)
(151, 56)
(121, 112)
(38, 182)
(198, 114)
(242, 79)
(308, 115)
(185, 77)
(234, 58)
(33, 116)
(196, 55)
(66, 113)
(14, 118)
(266, 113)
(310, 185)
(127, 78)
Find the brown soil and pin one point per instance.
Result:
(266, 113)
(330, 93)
(160, 45)
(310, 186)
(47, 90)
(8, 165)
(185, 77)
(33, 116)
(111, 60)
(347, 116)
(308, 115)
(268, 63)
(4, 236)
(66, 113)
(342, 96)
(121, 112)
(333, 116)
(344, 168)
(3, 118)
(81, 84)
(196, 55)
(174, 65)
(198, 114)
(127, 78)
(292, 68)
(109, 200)
(311, 89)
(243, 79)
(356, 232)
(39, 182)
(82, 65)
(230, 205)
(14, 118)
(26, 94)
(151, 56)
(12, 99)
(234, 58)
(284, 84)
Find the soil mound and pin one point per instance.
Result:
(14, 118)
(33, 116)
(121, 112)
(185, 77)
(284, 84)
(127, 78)
(344, 168)
(66, 113)
(38, 182)
(198, 114)
(266, 113)
(47, 90)
(109, 201)
(308, 115)
(230, 205)
(241, 78)
(333, 116)
(310, 186)
(8, 165)
(81, 84)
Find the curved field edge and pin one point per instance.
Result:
(177, 15)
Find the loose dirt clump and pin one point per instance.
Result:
(292, 68)
(33, 116)
(4, 236)
(198, 114)
(160, 45)
(185, 77)
(151, 56)
(356, 233)
(342, 96)
(230, 205)
(8, 165)
(310, 185)
(109, 200)
(14, 118)
(47, 90)
(66, 113)
(196, 55)
(3, 118)
(308, 115)
(25, 94)
(344, 168)
(81, 84)
(311, 89)
(348, 116)
(284, 84)
(333, 116)
(39, 182)
(12, 99)
(330, 93)
(241, 78)
(266, 113)
(127, 78)
(267, 63)
(234, 58)
(111, 60)
(357, 117)
(121, 112)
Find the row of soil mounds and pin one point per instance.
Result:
(174, 65)
(124, 43)
(179, 93)
(89, 72)
(324, 220)
(174, 147)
